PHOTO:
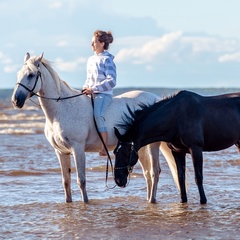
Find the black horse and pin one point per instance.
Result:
(189, 123)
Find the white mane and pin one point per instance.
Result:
(55, 76)
(31, 63)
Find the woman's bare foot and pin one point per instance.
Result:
(102, 152)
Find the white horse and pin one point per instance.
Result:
(70, 127)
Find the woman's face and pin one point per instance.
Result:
(96, 45)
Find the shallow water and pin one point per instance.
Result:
(32, 200)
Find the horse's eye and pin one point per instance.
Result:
(31, 75)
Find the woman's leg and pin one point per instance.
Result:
(102, 151)
(101, 104)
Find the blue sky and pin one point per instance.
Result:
(179, 44)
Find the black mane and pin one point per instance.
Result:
(133, 117)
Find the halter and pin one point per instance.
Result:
(39, 74)
(128, 167)
(36, 80)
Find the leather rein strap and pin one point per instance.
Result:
(49, 98)
(64, 98)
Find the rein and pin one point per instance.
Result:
(105, 147)
(49, 98)
(64, 98)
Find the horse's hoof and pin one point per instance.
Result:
(152, 201)
(183, 200)
(203, 201)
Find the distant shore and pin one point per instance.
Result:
(6, 93)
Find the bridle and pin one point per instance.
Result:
(35, 84)
(132, 150)
(39, 74)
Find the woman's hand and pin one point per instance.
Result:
(87, 91)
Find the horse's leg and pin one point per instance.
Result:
(80, 162)
(65, 163)
(238, 146)
(197, 159)
(146, 165)
(167, 153)
(149, 160)
(181, 168)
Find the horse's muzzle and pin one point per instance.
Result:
(121, 182)
(18, 100)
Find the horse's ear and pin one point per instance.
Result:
(39, 59)
(117, 133)
(41, 56)
(27, 56)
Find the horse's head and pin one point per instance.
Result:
(27, 80)
(125, 158)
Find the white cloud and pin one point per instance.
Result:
(149, 47)
(7, 64)
(174, 47)
(11, 68)
(70, 66)
(5, 59)
(148, 51)
(62, 44)
(56, 4)
(234, 57)
(211, 44)
(1, 55)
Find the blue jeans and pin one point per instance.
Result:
(101, 103)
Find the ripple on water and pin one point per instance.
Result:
(32, 199)
(120, 218)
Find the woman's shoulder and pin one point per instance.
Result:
(103, 57)
(108, 57)
(108, 54)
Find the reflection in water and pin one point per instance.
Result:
(121, 218)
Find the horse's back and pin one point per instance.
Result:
(209, 105)
(189, 96)
(215, 120)
(132, 99)
(137, 95)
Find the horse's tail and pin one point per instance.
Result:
(171, 162)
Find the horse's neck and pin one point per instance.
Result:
(52, 89)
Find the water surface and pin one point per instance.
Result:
(32, 199)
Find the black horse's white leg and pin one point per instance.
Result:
(167, 153)
(238, 146)
(65, 164)
(149, 160)
(155, 169)
(146, 168)
(80, 162)
(180, 159)
(197, 158)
